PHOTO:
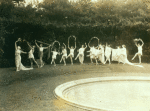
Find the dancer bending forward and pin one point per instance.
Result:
(139, 53)
(71, 55)
(81, 54)
(64, 55)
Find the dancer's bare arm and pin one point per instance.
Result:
(85, 46)
(64, 45)
(142, 42)
(36, 44)
(29, 45)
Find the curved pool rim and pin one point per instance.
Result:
(58, 92)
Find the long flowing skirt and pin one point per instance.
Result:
(19, 64)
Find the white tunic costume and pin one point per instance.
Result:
(54, 54)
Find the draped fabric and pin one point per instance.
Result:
(120, 55)
(107, 52)
(18, 61)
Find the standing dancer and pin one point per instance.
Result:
(107, 53)
(139, 53)
(54, 53)
(41, 48)
(92, 53)
(54, 56)
(81, 53)
(64, 54)
(18, 63)
(101, 55)
(71, 55)
(31, 56)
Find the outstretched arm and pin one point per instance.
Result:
(16, 45)
(23, 52)
(64, 45)
(29, 45)
(46, 47)
(36, 44)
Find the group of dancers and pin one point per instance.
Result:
(97, 53)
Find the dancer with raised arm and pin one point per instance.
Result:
(107, 53)
(64, 54)
(41, 48)
(55, 53)
(31, 55)
(139, 53)
(18, 63)
(81, 53)
(72, 49)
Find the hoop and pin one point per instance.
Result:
(92, 39)
(54, 43)
(69, 40)
(42, 42)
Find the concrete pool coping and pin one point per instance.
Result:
(59, 90)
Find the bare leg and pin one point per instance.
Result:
(77, 57)
(134, 56)
(61, 59)
(64, 60)
(139, 59)
(71, 60)
(31, 60)
(35, 62)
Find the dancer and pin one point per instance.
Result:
(122, 57)
(54, 56)
(18, 63)
(64, 54)
(72, 49)
(139, 53)
(92, 53)
(81, 53)
(101, 55)
(31, 56)
(41, 48)
(107, 53)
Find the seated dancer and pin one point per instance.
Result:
(71, 55)
(139, 53)
(107, 53)
(101, 55)
(64, 54)
(18, 51)
(41, 48)
(31, 56)
(81, 54)
(54, 56)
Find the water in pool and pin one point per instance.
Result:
(112, 95)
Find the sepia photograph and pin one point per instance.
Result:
(75, 55)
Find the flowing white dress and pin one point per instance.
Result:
(107, 52)
(18, 61)
(101, 56)
(120, 55)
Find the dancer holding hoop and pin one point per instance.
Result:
(55, 53)
(81, 53)
(72, 49)
(64, 54)
(41, 48)
(18, 51)
(31, 55)
(139, 53)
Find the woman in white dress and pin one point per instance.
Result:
(41, 48)
(31, 55)
(64, 54)
(139, 53)
(18, 52)
(107, 53)
(101, 56)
